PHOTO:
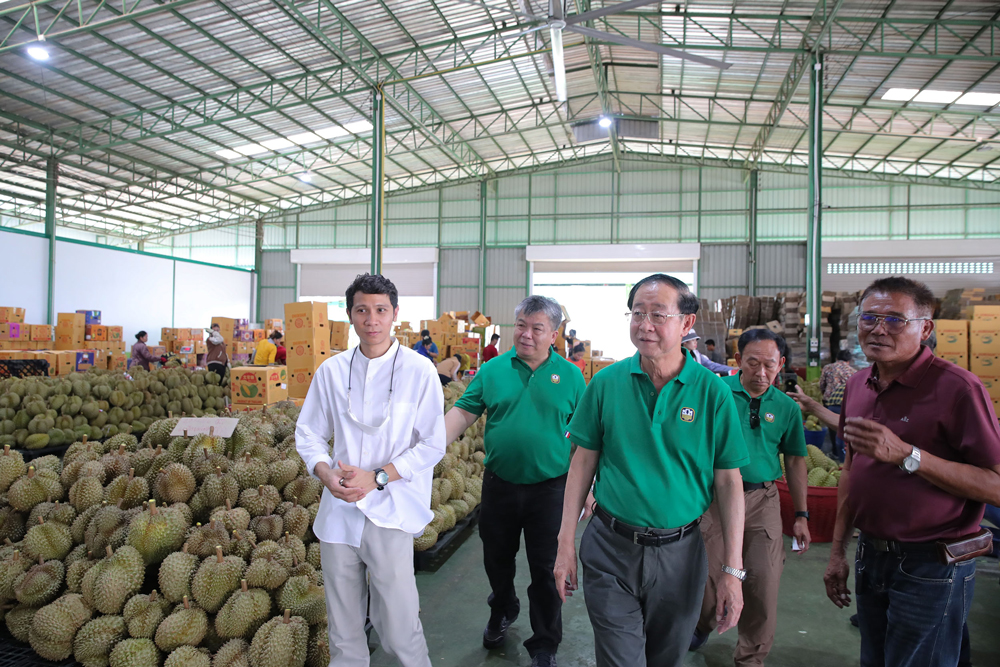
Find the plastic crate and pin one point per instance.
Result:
(15, 654)
(821, 501)
(31, 454)
(21, 368)
(448, 542)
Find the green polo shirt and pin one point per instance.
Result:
(526, 415)
(780, 430)
(659, 451)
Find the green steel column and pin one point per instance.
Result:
(814, 233)
(482, 246)
(752, 269)
(378, 178)
(51, 181)
(258, 264)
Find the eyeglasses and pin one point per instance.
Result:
(656, 319)
(893, 325)
(754, 413)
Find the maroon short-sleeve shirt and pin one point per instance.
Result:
(939, 408)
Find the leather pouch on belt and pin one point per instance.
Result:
(966, 548)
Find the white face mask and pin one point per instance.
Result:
(370, 429)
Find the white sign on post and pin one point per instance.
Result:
(222, 427)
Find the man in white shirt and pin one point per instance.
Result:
(384, 407)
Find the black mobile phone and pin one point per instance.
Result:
(790, 384)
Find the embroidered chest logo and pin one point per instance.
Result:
(768, 417)
(905, 419)
(687, 414)
(555, 378)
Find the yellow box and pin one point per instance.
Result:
(259, 385)
(984, 337)
(957, 359)
(952, 336)
(985, 364)
(986, 313)
(301, 318)
(992, 384)
(9, 314)
(42, 332)
(272, 324)
(299, 380)
(96, 332)
(339, 334)
(599, 364)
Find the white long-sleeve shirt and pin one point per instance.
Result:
(413, 440)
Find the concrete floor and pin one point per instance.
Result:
(811, 630)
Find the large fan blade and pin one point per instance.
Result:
(657, 48)
(556, 9)
(558, 63)
(610, 9)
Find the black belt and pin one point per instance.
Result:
(898, 548)
(754, 486)
(645, 537)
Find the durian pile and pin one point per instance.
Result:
(41, 412)
(458, 477)
(820, 468)
(166, 551)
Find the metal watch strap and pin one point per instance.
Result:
(739, 574)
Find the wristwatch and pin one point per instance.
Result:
(739, 574)
(804, 515)
(911, 463)
(381, 478)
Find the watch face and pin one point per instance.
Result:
(382, 478)
(910, 464)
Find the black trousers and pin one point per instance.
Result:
(536, 509)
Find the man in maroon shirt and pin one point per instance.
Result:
(923, 456)
(491, 350)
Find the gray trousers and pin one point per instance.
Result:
(643, 602)
(383, 566)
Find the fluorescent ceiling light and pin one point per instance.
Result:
(250, 149)
(277, 144)
(228, 154)
(604, 122)
(900, 94)
(306, 177)
(303, 138)
(937, 96)
(332, 132)
(38, 53)
(358, 127)
(980, 99)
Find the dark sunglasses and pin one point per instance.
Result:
(754, 412)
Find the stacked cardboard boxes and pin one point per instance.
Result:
(339, 334)
(71, 331)
(984, 348)
(236, 333)
(953, 341)
(257, 386)
(307, 343)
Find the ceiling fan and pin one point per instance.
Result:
(557, 22)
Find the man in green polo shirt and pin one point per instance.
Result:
(529, 395)
(662, 433)
(772, 424)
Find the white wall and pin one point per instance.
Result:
(132, 290)
(25, 275)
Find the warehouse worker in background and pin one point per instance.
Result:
(714, 353)
(426, 346)
(772, 425)
(141, 356)
(832, 383)
(281, 353)
(448, 369)
(663, 436)
(491, 351)
(217, 351)
(529, 395)
(383, 405)
(576, 356)
(923, 456)
(267, 349)
(690, 341)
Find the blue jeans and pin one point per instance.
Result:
(911, 607)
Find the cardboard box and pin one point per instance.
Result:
(42, 332)
(956, 358)
(992, 384)
(258, 334)
(117, 361)
(83, 360)
(66, 342)
(480, 320)
(339, 335)
(272, 324)
(599, 364)
(299, 380)
(984, 337)
(100, 360)
(10, 314)
(302, 317)
(986, 313)
(984, 364)
(15, 331)
(312, 347)
(259, 385)
(115, 333)
(96, 332)
(952, 336)
(90, 316)
(229, 326)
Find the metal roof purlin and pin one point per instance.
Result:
(601, 80)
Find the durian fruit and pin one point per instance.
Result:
(202, 540)
(313, 555)
(445, 488)
(11, 467)
(131, 490)
(40, 584)
(135, 653)
(260, 501)
(93, 644)
(234, 653)
(48, 462)
(49, 540)
(817, 476)
(281, 642)
(175, 484)
(35, 487)
(202, 443)
(282, 471)
(103, 529)
(110, 583)
(216, 579)
(233, 518)
(116, 462)
(426, 540)
(188, 656)
(55, 625)
(19, 620)
(79, 528)
(474, 486)
(244, 612)
(126, 440)
(11, 568)
(306, 489)
(176, 572)
(76, 572)
(185, 626)
(242, 544)
(143, 614)
(11, 524)
(450, 517)
(461, 508)
(86, 492)
(318, 654)
(205, 466)
(303, 598)
(457, 483)
(218, 489)
(157, 532)
(296, 520)
(250, 472)
(266, 573)
(269, 527)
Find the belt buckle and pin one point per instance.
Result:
(880, 545)
(636, 536)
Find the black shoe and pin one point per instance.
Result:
(698, 639)
(495, 633)
(543, 659)
(854, 620)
